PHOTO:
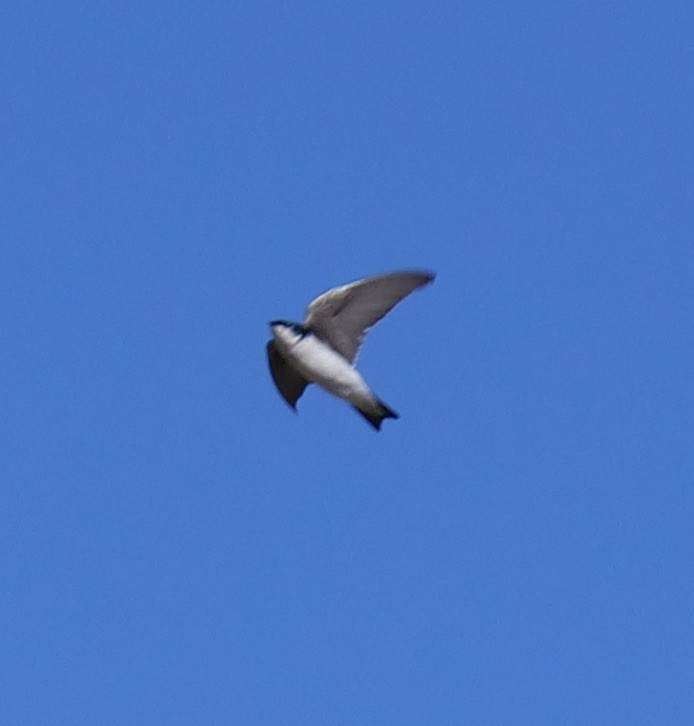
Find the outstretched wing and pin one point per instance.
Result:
(342, 316)
(289, 383)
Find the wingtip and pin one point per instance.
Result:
(427, 276)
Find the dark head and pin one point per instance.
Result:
(293, 327)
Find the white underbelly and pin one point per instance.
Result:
(319, 363)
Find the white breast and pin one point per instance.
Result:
(319, 363)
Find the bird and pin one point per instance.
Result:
(324, 347)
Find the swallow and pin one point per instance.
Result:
(324, 347)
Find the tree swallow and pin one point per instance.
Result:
(324, 347)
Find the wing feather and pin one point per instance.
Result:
(289, 383)
(342, 316)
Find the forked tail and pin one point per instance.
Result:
(376, 414)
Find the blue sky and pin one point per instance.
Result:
(177, 547)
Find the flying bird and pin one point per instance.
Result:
(323, 348)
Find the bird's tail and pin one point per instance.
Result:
(376, 413)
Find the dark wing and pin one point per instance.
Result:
(289, 383)
(342, 316)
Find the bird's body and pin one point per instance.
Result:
(322, 350)
(318, 363)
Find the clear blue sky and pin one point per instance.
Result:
(176, 547)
